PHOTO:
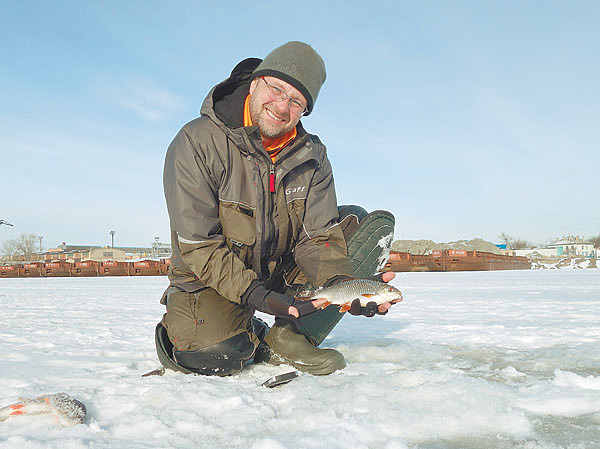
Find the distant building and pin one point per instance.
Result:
(566, 247)
(79, 253)
(574, 246)
(107, 253)
(160, 250)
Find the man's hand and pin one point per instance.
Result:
(278, 304)
(371, 309)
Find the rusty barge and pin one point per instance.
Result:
(455, 260)
(441, 260)
(87, 268)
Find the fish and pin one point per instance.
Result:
(68, 411)
(343, 293)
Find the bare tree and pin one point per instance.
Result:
(550, 241)
(514, 243)
(521, 244)
(595, 240)
(506, 239)
(9, 249)
(24, 245)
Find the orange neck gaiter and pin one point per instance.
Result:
(272, 146)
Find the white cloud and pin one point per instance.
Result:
(151, 102)
(142, 97)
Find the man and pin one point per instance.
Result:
(254, 217)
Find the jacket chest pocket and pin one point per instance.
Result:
(239, 229)
(296, 213)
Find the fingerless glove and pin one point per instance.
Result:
(273, 303)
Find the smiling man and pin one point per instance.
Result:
(254, 218)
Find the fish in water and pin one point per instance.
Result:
(343, 293)
(67, 410)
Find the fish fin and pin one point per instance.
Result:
(305, 294)
(368, 295)
(345, 307)
(327, 303)
(16, 406)
(17, 412)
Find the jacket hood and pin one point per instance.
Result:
(224, 103)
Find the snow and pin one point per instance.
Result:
(564, 263)
(504, 359)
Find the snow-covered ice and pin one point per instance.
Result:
(505, 359)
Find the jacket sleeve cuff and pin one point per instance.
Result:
(255, 288)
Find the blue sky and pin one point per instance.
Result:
(465, 119)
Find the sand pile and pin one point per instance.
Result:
(426, 246)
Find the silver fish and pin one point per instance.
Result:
(343, 293)
(67, 410)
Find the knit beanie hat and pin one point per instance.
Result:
(298, 64)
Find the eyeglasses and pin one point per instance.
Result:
(279, 95)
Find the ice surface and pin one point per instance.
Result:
(505, 359)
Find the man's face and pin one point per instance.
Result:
(271, 112)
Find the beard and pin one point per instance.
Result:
(267, 128)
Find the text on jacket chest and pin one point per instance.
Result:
(291, 190)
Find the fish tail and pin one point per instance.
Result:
(12, 410)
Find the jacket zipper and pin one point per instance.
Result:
(268, 225)
(271, 245)
(272, 178)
